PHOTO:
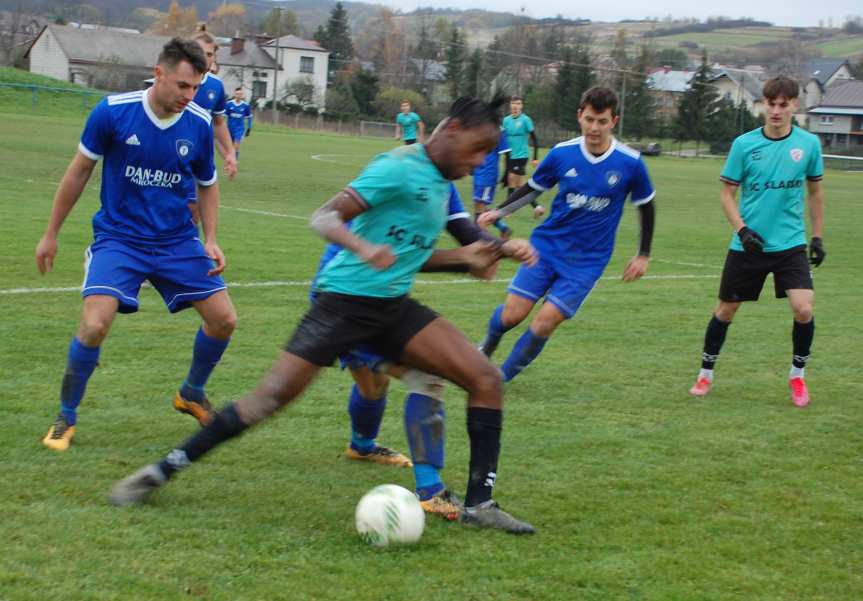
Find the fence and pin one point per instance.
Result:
(47, 100)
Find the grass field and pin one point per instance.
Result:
(851, 47)
(638, 491)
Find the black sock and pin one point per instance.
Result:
(224, 426)
(801, 336)
(713, 339)
(483, 428)
(509, 191)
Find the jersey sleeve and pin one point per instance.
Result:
(546, 175)
(732, 172)
(456, 206)
(641, 189)
(204, 165)
(380, 182)
(221, 103)
(528, 126)
(503, 143)
(815, 167)
(96, 137)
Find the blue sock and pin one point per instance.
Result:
(205, 357)
(237, 154)
(496, 328)
(80, 364)
(366, 416)
(501, 225)
(424, 424)
(526, 349)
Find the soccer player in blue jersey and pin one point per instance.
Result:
(518, 128)
(594, 175)
(212, 98)
(770, 166)
(485, 182)
(398, 205)
(156, 147)
(407, 124)
(239, 119)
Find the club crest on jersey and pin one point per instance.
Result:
(613, 178)
(211, 95)
(423, 194)
(184, 147)
(796, 154)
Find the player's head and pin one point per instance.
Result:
(597, 115)
(516, 106)
(209, 45)
(239, 93)
(469, 132)
(405, 106)
(179, 69)
(780, 100)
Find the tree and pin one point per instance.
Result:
(177, 22)
(228, 20)
(341, 101)
(473, 73)
(638, 105)
(455, 59)
(336, 37)
(387, 103)
(618, 56)
(385, 44)
(302, 90)
(857, 70)
(280, 22)
(672, 57)
(364, 88)
(697, 106)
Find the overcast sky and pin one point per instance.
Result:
(787, 12)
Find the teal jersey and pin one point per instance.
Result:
(409, 125)
(517, 130)
(408, 203)
(772, 176)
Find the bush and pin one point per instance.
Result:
(386, 105)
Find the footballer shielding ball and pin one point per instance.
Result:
(389, 514)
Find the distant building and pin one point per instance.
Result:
(667, 88)
(838, 119)
(300, 61)
(741, 85)
(243, 63)
(819, 74)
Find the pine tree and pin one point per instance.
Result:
(697, 104)
(473, 73)
(639, 107)
(336, 37)
(455, 62)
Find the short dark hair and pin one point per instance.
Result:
(514, 98)
(206, 37)
(473, 112)
(781, 85)
(179, 50)
(599, 98)
(238, 88)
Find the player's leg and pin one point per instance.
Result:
(483, 197)
(440, 348)
(530, 344)
(237, 142)
(792, 277)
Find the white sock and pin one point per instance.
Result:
(796, 372)
(706, 373)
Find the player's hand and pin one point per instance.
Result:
(486, 274)
(480, 255)
(379, 256)
(750, 239)
(46, 250)
(520, 250)
(487, 218)
(636, 268)
(231, 165)
(816, 251)
(534, 162)
(216, 254)
(538, 211)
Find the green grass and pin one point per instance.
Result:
(62, 100)
(851, 47)
(638, 491)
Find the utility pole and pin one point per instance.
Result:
(276, 73)
(622, 104)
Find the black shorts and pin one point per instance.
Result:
(744, 273)
(409, 142)
(516, 166)
(337, 323)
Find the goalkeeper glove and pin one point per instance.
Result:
(816, 251)
(751, 241)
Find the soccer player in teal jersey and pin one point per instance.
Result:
(407, 124)
(770, 166)
(518, 128)
(398, 205)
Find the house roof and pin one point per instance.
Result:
(846, 94)
(750, 81)
(823, 69)
(433, 70)
(251, 56)
(669, 81)
(292, 41)
(103, 45)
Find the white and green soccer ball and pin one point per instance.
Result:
(389, 514)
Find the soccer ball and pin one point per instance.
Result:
(390, 514)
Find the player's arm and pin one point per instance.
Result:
(535, 142)
(329, 222)
(224, 144)
(526, 195)
(422, 131)
(816, 215)
(466, 232)
(637, 265)
(475, 258)
(208, 205)
(398, 130)
(249, 124)
(68, 192)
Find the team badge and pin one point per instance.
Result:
(184, 147)
(211, 95)
(796, 154)
(613, 178)
(756, 155)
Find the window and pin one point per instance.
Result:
(307, 64)
(260, 74)
(259, 89)
(826, 120)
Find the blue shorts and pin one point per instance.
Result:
(178, 271)
(483, 192)
(362, 356)
(565, 290)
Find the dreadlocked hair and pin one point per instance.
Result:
(473, 112)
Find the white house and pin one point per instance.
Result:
(838, 120)
(302, 62)
(820, 74)
(243, 63)
(741, 85)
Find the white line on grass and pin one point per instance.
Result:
(685, 263)
(321, 157)
(289, 283)
(267, 213)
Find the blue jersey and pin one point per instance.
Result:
(238, 114)
(486, 174)
(211, 95)
(150, 167)
(591, 193)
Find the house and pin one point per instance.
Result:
(102, 58)
(838, 120)
(243, 63)
(740, 85)
(303, 64)
(821, 73)
(667, 87)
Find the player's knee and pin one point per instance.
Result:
(223, 326)
(373, 388)
(486, 382)
(93, 330)
(726, 311)
(803, 312)
(513, 315)
(543, 326)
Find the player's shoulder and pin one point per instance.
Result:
(198, 112)
(627, 151)
(806, 136)
(124, 98)
(750, 138)
(568, 145)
